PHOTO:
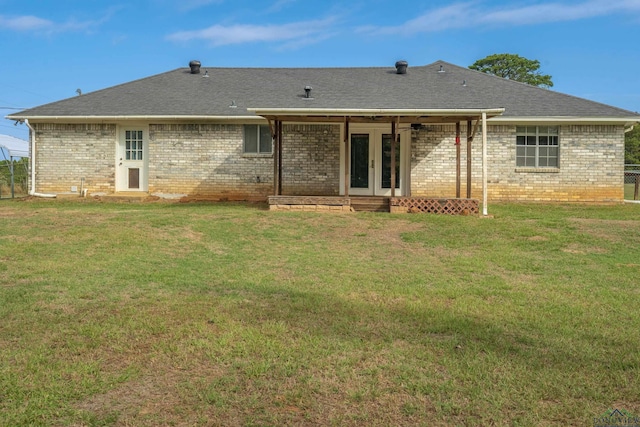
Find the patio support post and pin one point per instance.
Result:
(394, 131)
(457, 160)
(347, 156)
(484, 164)
(469, 141)
(276, 156)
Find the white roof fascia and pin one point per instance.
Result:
(567, 119)
(131, 118)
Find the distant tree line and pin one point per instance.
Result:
(632, 146)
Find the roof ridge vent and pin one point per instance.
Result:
(401, 67)
(195, 66)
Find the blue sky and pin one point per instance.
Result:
(591, 48)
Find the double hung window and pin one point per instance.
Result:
(257, 139)
(537, 147)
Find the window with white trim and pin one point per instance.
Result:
(537, 147)
(257, 139)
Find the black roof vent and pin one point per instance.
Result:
(195, 67)
(401, 67)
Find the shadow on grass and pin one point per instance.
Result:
(445, 325)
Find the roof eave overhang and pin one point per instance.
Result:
(567, 120)
(135, 118)
(320, 114)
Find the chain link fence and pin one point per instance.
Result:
(13, 177)
(632, 182)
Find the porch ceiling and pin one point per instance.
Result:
(374, 115)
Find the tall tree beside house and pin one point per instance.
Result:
(513, 67)
(632, 146)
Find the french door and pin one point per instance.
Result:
(370, 163)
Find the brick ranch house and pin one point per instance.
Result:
(326, 136)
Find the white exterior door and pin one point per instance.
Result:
(370, 162)
(132, 159)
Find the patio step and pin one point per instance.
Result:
(125, 196)
(370, 204)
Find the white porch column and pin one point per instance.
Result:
(484, 164)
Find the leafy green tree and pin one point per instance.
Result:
(513, 67)
(632, 146)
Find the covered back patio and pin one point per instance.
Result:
(375, 157)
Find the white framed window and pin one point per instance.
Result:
(257, 139)
(537, 147)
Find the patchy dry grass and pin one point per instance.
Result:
(227, 314)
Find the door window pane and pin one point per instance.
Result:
(133, 145)
(386, 162)
(360, 161)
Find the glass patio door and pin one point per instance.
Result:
(370, 164)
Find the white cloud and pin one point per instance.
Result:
(220, 35)
(476, 13)
(299, 43)
(25, 23)
(555, 12)
(38, 25)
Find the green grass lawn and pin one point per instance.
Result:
(227, 314)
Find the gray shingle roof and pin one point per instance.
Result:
(180, 93)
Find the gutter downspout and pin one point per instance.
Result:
(32, 191)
